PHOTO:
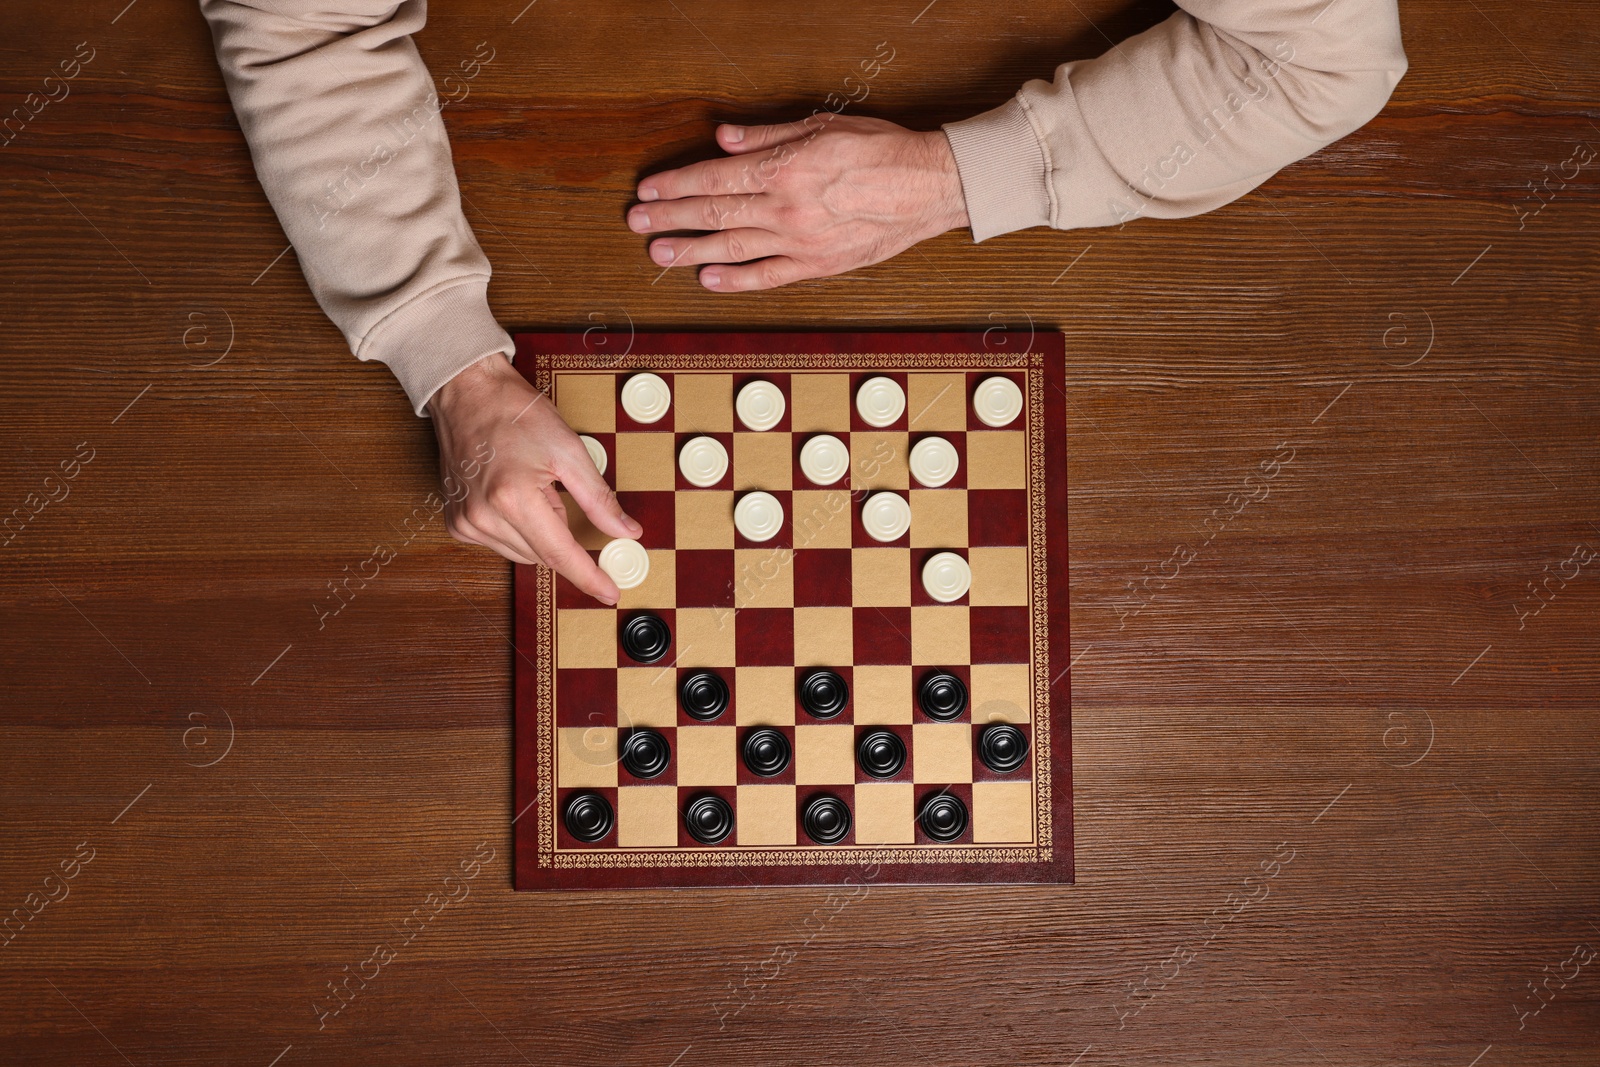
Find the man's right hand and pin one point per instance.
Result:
(513, 507)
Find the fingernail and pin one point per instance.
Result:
(711, 277)
(733, 134)
(648, 193)
(633, 525)
(661, 252)
(607, 601)
(638, 220)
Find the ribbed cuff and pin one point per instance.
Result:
(435, 337)
(1004, 173)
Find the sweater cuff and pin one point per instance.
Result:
(1004, 172)
(435, 337)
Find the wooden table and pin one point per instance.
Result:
(1335, 777)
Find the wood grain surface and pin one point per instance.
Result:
(1334, 757)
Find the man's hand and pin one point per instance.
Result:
(802, 200)
(513, 507)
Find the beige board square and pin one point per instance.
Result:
(645, 461)
(647, 816)
(763, 461)
(704, 518)
(882, 694)
(941, 752)
(647, 696)
(586, 757)
(819, 403)
(938, 518)
(588, 401)
(824, 755)
(704, 402)
(936, 401)
(999, 575)
(881, 577)
(823, 637)
(884, 813)
(1000, 693)
(1002, 811)
(879, 460)
(763, 696)
(583, 531)
(705, 637)
(997, 459)
(586, 637)
(660, 587)
(765, 814)
(707, 755)
(821, 518)
(941, 635)
(763, 578)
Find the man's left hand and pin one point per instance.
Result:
(802, 200)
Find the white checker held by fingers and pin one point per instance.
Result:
(626, 561)
(760, 405)
(934, 462)
(646, 397)
(758, 516)
(596, 450)
(880, 401)
(703, 461)
(997, 402)
(946, 577)
(886, 516)
(824, 459)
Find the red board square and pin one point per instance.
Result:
(657, 512)
(919, 592)
(882, 635)
(687, 794)
(974, 378)
(683, 484)
(804, 795)
(956, 438)
(705, 577)
(962, 792)
(781, 381)
(749, 777)
(784, 538)
(570, 596)
(960, 671)
(822, 578)
(857, 423)
(666, 777)
(586, 697)
(997, 517)
(764, 637)
(665, 422)
(904, 734)
(999, 634)
(566, 840)
(981, 771)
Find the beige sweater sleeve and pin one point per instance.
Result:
(1181, 119)
(344, 126)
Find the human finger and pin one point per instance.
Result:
(766, 273)
(594, 496)
(561, 553)
(715, 177)
(698, 213)
(740, 140)
(729, 246)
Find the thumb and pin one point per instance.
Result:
(739, 140)
(595, 497)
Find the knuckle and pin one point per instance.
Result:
(736, 248)
(769, 276)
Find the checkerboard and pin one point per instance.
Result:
(820, 594)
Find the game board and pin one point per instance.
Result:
(821, 595)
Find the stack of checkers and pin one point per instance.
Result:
(823, 638)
